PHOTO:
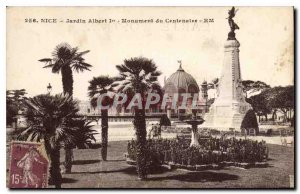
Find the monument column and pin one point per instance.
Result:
(230, 107)
(230, 81)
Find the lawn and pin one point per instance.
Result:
(89, 172)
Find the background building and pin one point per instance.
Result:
(180, 82)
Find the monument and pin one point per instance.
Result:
(230, 107)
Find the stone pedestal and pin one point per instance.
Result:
(230, 107)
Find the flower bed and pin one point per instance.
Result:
(212, 153)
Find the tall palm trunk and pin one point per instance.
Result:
(141, 133)
(55, 174)
(67, 81)
(55, 177)
(104, 133)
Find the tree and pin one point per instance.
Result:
(14, 103)
(250, 87)
(99, 86)
(48, 118)
(65, 59)
(289, 101)
(260, 105)
(282, 99)
(140, 75)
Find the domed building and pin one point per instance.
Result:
(180, 83)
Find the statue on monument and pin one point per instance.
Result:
(229, 108)
(233, 26)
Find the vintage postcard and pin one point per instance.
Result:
(150, 97)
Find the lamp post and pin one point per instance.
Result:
(49, 88)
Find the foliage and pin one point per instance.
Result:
(11, 112)
(65, 59)
(259, 103)
(100, 85)
(49, 118)
(250, 121)
(274, 99)
(281, 97)
(211, 151)
(14, 103)
(250, 86)
(82, 132)
(139, 75)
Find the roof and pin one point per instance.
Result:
(181, 82)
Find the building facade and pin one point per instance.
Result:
(179, 83)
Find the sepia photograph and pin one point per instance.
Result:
(150, 97)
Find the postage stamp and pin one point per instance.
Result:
(28, 165)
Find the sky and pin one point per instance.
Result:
(266, 36)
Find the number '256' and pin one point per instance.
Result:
(30, 20)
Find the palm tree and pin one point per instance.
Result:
(48, 119)
(140, 75)
(98, 86)
(65, 59)
(84, 134)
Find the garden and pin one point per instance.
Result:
(54, 119)
(212, 153)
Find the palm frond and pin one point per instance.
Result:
(48, 119)
(82, 53)
(94, 102)
(63, 55)
(137, 73)
(45, 60)
(80, 67)
(99, 85)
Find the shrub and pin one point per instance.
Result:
(211, 151)
(250, 121)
